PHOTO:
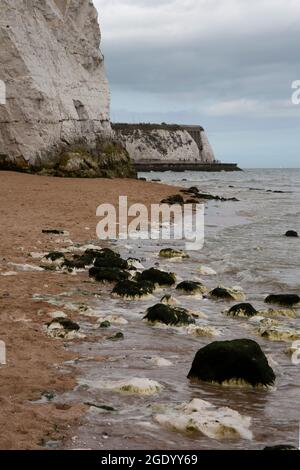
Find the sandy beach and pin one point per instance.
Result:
(30, 204)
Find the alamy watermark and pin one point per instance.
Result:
(163, 222)
(2, 92)
(296, 94)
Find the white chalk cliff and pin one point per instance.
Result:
(57, 90)
(56, 115)
(165, 143)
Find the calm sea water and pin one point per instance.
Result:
(245, 245)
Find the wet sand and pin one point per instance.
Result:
(28, 205)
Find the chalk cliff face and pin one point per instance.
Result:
(165, 143)
(57, 90)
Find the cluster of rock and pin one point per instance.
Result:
(235, 363)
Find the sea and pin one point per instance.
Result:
(246, 247)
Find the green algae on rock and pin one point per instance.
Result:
(172, 253)
(237, 362)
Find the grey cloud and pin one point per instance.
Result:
(203, 61)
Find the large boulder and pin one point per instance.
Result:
(237, 362)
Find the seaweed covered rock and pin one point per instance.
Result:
(292, 234)
(205, 196)
(157, 276)
(229, 294)
(237, 362)
(274, 332)
(173, 200)
(281, 312)
(55, 256)
(117, 337)
(53, 232)
(172, 253)
(113, 262)
(283, 300)
(168, 315)
(191, 288)
(67, 324)
(108, 274)
(133, 290)
(242, 310)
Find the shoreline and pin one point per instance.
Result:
(30, 204)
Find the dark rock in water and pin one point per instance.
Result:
(108, 274)
(67, 324)
(246, 310)
(117, 337)
(281, 447)
(157, 277)
(142, 179)
(292, 233)
(48, 267)
(54, 256)
(172, 253)
(113, 262)
(105, 324)
(284, 300)
(156, 180)
(48, 395)
(221, 293)
(193, 190)
(133, 289)
(79, 261)
(53, 232)
(107, 253)
(240, 360)
(169, 315)
(172, 200)
(191, 287)
(206, 197)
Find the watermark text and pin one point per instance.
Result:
(162, 222)
(2, 93)
(296, 94)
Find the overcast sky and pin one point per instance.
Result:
(227, 65)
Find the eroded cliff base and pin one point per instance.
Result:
(107, 159)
